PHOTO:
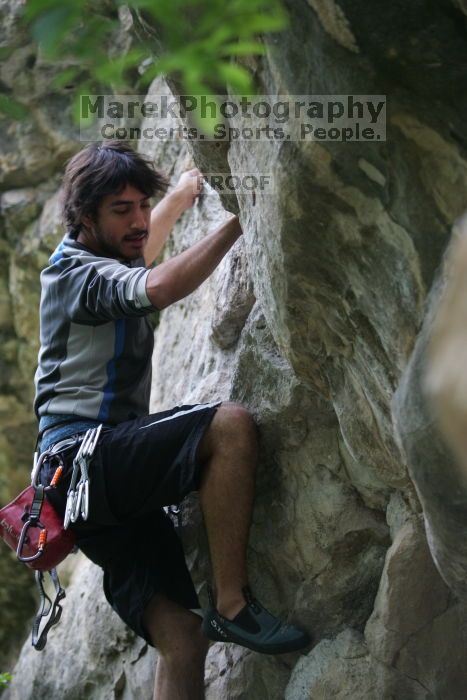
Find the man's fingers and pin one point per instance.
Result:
(192, 179)
(199, 183)
(199, 180)
(190, 185)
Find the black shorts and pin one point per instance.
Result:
(139, 467)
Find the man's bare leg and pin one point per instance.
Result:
(176, 633)
(228, 451)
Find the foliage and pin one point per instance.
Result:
(5, 679)
(196, 42)
(200, 40)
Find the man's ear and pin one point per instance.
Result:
(87, 222)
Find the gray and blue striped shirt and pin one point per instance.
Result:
(96, 342)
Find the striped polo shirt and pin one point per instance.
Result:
(96, 340)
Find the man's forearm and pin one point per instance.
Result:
(174, 279)
(163, 217)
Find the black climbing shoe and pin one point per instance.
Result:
(255, 628)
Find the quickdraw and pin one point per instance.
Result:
(52, 610)
(77, 502)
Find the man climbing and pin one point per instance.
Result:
(95, 368)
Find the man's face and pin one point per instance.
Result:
(121, 227)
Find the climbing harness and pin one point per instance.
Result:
(34, 530)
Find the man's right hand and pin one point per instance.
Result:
(189, 187)
(169, 209)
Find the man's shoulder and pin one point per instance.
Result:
(65, 255)
(73, 268)
(70, 253)
(70, 256)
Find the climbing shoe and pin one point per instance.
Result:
(254, 627)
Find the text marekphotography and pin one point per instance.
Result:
(244, 117)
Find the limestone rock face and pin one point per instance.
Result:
(310, 321)
(32, 152)
(440, 483)
(410, 596)
(94, 638)
(343, 669)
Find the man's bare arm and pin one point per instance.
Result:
(169, 209)
(178, 277)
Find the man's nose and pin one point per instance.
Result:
(139, 220)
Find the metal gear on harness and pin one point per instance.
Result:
(176, 512)
(32, 528)
(47, 608)
(77, 502)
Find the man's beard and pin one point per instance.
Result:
(115, 251)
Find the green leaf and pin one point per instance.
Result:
(12, 108)
(66, 76)
(262, 23)
(5, 679)
(37, 8)
(237, 76)
(243, 48)
(48, 30)
(197, 35)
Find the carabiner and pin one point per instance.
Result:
(85, 500)
(70, 502)
(77, 495)
(22, 539)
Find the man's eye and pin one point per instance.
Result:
(121, 211)
(146, 205)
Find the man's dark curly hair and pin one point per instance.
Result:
(102, 169)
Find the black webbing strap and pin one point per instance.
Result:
(47, 609)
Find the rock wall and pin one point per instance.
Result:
(309, 321)
(32, 153)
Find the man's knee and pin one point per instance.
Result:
(184, 650)
(175, 631)
(232, 423)
(235, 418)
